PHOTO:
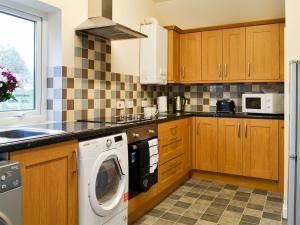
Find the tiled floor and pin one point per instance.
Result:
(206, 203)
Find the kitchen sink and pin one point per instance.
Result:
(26, 133)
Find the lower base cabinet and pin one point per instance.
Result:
(244, 147)
(49, 184)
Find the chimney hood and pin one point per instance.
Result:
(100, 23)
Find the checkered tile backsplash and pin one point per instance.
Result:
(91, 90)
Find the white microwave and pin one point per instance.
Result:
(263, 103)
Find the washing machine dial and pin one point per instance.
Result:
(108, 143)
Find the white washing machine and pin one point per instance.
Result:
(103, 181)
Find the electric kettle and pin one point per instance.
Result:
(179, 103)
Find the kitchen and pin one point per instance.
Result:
(141, 131)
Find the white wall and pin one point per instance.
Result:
(125, 53)
(292, 52)
(197, 13)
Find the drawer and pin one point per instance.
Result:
(170, 172)
(172, 129)
(170, 148)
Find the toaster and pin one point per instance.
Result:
(225, 106)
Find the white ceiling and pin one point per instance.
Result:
(198, 13)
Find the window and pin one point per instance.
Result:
(21, 53)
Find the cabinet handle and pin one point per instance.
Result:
(198, 128)
(183, 71)
(174, 127)
(239, 129)
(74, 159)
(220, 67)
(225, 70)
(246, 130)
(173, 140)
(248, 70)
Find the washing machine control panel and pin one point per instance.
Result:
(10, 177)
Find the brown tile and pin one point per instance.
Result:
(91, 64)
(108, 85)
(64, 116)
(84, 94)
(192, 195)
(108, 67)
(108, 103)
(70, 104)
(174, 197)
(231, 187)
(84, 73)
(102, 94)
(70, 82)
(155, 212)
(84, 114)
(222, 201)
(108, 49)
(90, 84)
(214, 211)
(85, 53)
(91, 103)
(241, 198)
(207, 197)
(255, 206)
(260, 192)
(64, 71)
(218, 205)
(274, 199)
(64, 94)
(103, 76)
(103, 57)
(122, 86)
(91, 45)
(206, 101)
(118, 77)
(235, 209)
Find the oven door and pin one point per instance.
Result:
(107, 183)
(253, 103)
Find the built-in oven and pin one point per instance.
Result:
(263, 103)
(143, 158)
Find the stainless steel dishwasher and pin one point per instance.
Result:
(10, 193)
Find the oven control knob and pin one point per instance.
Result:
(108, 143)
(136, 135)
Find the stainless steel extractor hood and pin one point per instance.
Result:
(100, 23)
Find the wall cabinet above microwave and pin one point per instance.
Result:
(250, 52)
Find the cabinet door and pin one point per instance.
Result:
(230, 152)
(173, 56)
(234, 54)
(206, 144)
(212, 55)
(281, 51)
(188, 144)
(261, 148)
(49, 184)
(190, 57)
(262, 52)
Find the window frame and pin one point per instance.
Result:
(39, 114)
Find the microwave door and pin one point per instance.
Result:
(254, 104)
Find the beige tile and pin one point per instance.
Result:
(163, 222)
(195, 214)
(229, 221)
(187, 199)
(146, 220)
(177, 210)
(204, 222)
(253, 212)
(231, 214)
(265, 221)
(238, 203)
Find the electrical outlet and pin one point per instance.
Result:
(120, 104)
(144, 103)
(129, 104)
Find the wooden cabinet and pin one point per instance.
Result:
(281, 51)
(260, 153)
(212, 55)
(230, 154)
(234, 53)
(190, 58)
(49, 184)
(262, 52)
(173, 56)
(281, 156)
(206, 155)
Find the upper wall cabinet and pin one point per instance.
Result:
(212, 55)
(251, 52)
(262, 52)
(190, 58)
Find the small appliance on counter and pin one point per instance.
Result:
(225, 106)
(264, 103)
(162, 103)
(143, 158)
(179, 103)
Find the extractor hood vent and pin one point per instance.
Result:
(101, 24)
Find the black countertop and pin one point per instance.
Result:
(88, 130)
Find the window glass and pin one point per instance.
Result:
(17, 54)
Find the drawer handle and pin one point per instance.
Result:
(174, 127)
(245, 130)
(249, 68)
(151, 131)
(239, 129)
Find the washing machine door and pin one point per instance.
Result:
(4, 220)
(107, 183)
